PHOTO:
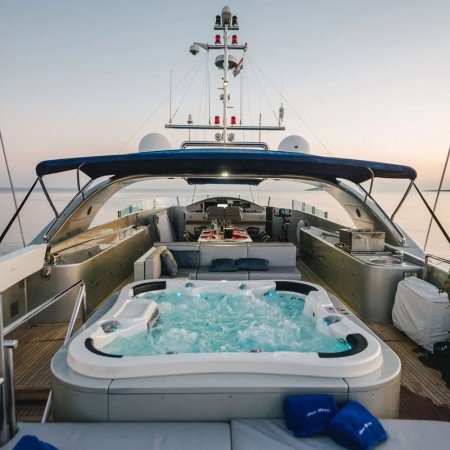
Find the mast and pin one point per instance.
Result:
(225, 22)
(225, 80)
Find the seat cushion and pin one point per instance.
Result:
(131, 436)
(275, 273)
(262, 434)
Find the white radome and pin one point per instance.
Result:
(154, 141)
(294, 143)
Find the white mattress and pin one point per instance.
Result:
(129, 436)
(402, 434)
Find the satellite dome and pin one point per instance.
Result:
(154, 141)
(294, 143)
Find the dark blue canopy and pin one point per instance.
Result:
(237, 163)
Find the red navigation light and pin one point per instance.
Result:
(233, 120)
(217, 38)
(234, 39)
(216, 120)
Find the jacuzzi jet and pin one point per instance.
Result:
(243, 286)
(257, 350)
(171, 353)
(111, 326)
(342, 340)
(189, 285)
(328, 320)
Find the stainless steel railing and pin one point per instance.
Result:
(7, 394)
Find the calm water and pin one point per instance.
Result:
(227, 323)
(412, 217)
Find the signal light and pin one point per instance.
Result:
(216, 120)
(233, 120)
(234, 40)
(217, 38)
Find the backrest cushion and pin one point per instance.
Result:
(259, 264)
(186, 259)
(223, 265)
(169, 265)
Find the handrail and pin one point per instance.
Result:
(10, 404)
(26, 317)
(81, 299)
(437, 258)
(6, 360)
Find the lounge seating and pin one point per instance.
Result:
(262, 434)
(233, 213)
(216, 213)
(281, 257)
(240, 434)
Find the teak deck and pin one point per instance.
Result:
(424, 395)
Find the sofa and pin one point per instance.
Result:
(280, 257)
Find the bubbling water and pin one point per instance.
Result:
(216, 322)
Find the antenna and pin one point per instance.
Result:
(170, 97)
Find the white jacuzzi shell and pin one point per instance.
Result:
(131, 313)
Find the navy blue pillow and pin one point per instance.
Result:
(223, 265)
(186, 259)
(306, 415)
(169, 265)
(252, 264)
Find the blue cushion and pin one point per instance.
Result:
(306, 415)
(252, 264)
(223, 265)
(186, 259)
(29, 442)
(169, 265)
(356, 428)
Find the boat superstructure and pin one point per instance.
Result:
(360, 259)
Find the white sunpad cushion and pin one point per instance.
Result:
(265, 434)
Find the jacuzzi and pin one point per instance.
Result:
(217, 385)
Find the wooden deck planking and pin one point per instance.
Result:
(32, 357)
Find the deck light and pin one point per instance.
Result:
(234, 22)
(234, 39)
(233, 120)
(218, 21)
(217, 38)
(216, 120)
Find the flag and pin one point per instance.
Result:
(238, 68)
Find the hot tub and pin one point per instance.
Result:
(358, 352)
(173, 384)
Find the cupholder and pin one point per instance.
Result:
(111, 326)
(328, 320)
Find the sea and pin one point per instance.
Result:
(413, 217)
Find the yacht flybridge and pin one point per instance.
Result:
(244, 235)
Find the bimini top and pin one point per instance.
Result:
(235, 163)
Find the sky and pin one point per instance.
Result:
(359, 79)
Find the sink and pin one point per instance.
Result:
(388, 260)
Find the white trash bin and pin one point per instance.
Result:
(421, 312)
